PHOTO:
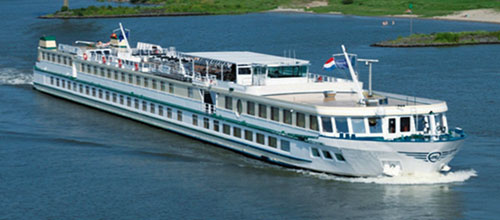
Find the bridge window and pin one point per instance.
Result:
(404, 125)
(326, 122)
(358, 125)
(375, 125)
(341, 125)
(287, 71)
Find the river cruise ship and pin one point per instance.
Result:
(264, 106)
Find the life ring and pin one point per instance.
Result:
(136, 67)
(119, 63)
(320, 79)
(103, 60)
(85, 56)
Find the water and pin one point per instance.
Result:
(61, 160)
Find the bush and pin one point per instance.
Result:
(64, 8)
(347, 2)
(447, 37)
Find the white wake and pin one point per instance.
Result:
(12, 76)
(414, 179)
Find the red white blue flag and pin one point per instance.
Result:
(330, 64)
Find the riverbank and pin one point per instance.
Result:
(444, 39)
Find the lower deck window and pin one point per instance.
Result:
(179, 115)
(160, 110)
(248, 135)
(195, 120)
(285, 145)
(152, 108)
(169, 112)
(206, 123)
(144, 106)
(327, 155)
(339, 157)
(272, 142)
(237, 132)
(226, 129)
(315, 152)
(216, 125)
(260, 138)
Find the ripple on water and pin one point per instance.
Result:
(13, 76)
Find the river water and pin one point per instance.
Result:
(60, 160)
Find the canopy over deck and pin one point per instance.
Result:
(248, 58)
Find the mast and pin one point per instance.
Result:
(359, 91)
(124, 37)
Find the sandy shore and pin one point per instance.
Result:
(478, 15)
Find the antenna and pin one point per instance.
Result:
(359, 91)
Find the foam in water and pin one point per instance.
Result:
(12, 76)
(413, 179)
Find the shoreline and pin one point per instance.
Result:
(177, 14)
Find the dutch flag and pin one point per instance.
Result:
(330, 64)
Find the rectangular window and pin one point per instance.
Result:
(404, 125)
(69, 85)
(116, 74)
(216, 125)
(138, 80)
(226, 129)
(301, 120)
(121, 99)
(74, 86)
(107, 95)
(93, 92)
(237, 132)
(375, 125)
(313, 123)
(190, 92)
(122, 76)
(262, 111)
(153, 83)
(130, 78)
(248, 135)
(108, 75)
(136, 103)
(57, 82)
(275, 113)
(287, 116)
(260, 138)
(114, 97)
(195, 120)
(52, 80)
(358, 125)
(146, 82)
(421, 122)
(144, 106)
(326, 123)
(327, 155)
(315, 152)
(228, 102)
(341, 124)
(87, 90)
(81, 88)
(285, 145)
(206, 123)
(272, 141)
(63, 82)
(339, 157)
(162, 86)
(129, 101)
(392, 125)
(169, 112)
(250, 108)
(171, 88)
(160, 110)
(179, 115)
(152, 108)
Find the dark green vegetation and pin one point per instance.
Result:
(444, 39)
(354, 7)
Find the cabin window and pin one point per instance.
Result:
(63, 82)
(248, 135)
(130, 78)
(93, 92)
(358, 125)
(160, 110)
(315, 152)
(122, 76)
(43, 55)
(59, 58)
(206, 123)
(237, 132)
(287, 71)
(226, 129)
(87, 89)
(82, 67)
(70, 62)
(250, 108)
(81, 88)
(129, 101)
(57, 82)
(179, 115)
(152, 108)
(326, 123)
(65, 61)
(69, 85)
(301, 120)
(327, 155)
(313, 122)
(52, 80)
(216, 125)
(169, 112)
(262, 111)
(341, 125)
(136, 103)
(239, 107)
(287, 116)
(153, 83)
(275, 114)
(114, 97)
(244, 71)
(138, 80)
(162, 86)
(285, 145)
(115, 74)
(339, 157)
(392, 125)
(260, 138)
(272, 142)
(146, 82)
(195, 120)
(228, 102)
(171, 88)
(375, 125)
(121, 99)
(144, 106)
(404, 125)
(74, 86)
(421, 122)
